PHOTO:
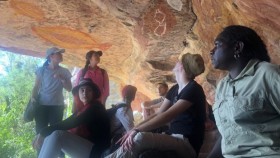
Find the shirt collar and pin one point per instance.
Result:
(249, 70)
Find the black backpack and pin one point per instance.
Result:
(111, 112)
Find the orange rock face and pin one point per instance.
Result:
(141, 39)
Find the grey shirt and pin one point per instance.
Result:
(122, 121)
(50, 91)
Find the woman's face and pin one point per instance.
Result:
(162, 90)
(56, 57)
(86, 94)
(94, 60)
(177, 69)
(222, 56)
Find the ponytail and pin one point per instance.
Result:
(85, 69)
(46, 63)
(88, 57)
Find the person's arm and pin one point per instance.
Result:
(165, 105)
(274, 89)
(106, 85)
(70, 122)
(149, 104)
(165, 115)
(73, 121)
(216, 151)
(146, 104)
(157, 105)
(66, 84)
(35, 89)
(66, 80)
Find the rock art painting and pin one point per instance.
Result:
(159, 20)
(69, 38)
(27, 9)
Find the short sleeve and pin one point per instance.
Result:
(39, 73)
(172, 92)
(125, 117)
(67, 74)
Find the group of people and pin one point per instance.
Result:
(246, 108)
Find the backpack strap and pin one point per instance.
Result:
(111, 112)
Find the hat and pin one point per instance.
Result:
(129, 91)
(193, 64)
(54, 50)
(87, 82)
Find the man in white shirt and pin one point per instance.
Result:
(150, 107)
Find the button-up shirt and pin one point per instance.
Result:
(247, 111)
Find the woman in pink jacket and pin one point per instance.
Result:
(98, 75)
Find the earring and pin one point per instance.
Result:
(236, 55)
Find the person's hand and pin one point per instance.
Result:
(38, 142)
(127, 140)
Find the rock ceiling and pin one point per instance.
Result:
(141, 39)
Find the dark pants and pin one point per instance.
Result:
(47, 115)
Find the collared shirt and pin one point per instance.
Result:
(100, 78)
(51, 87)
(247, 112)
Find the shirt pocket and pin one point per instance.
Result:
(247, 109)
(248, 104)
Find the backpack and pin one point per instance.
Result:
(111, 112)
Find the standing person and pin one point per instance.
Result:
(123, 120)
(98, 75)
(51, 78)
(183, 107)
(247, 102)
(92, 126)
(150, 107)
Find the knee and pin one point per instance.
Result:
(139, 137)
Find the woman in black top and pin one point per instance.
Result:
(183, 107)
(90, 128)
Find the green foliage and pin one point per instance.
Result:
(15, 89)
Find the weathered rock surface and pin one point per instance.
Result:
(141, 39)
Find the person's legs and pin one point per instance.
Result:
(71, 144)
(55, 114)
(147, 140)
(41, 117)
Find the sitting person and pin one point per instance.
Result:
(183, 107)
(210, 120)
(150, 107)
(92, 128)
(123, 120)
(247, 102)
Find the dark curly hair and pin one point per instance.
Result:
(254, 47)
